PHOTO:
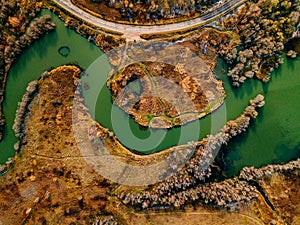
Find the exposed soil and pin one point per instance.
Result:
(148, 102)
(52, 183)
(160, 89)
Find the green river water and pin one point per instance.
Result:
(274, 137)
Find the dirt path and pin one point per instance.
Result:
(179, 214)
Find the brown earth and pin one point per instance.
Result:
(207, 43)
(52, 183)
(149, 103)
(162, 90)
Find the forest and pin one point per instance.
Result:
(147, 11)
(263, 28)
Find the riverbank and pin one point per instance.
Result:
(264, 28)
(40, 178)
(24, 25)
(235, 102)
(261, 31)
(167, 91)
(19, 31)
(51, 176)
(103, 38)
(33, 61)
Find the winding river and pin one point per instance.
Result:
(274, 137)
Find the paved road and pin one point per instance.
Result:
(134, 31)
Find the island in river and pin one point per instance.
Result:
(63, 165)
(52, 176)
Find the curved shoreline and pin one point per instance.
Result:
(60, 176)
(15, 49)
(52, 177)
(185, 89)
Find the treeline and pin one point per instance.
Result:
(22, 108)
(19, 27)
(36, 29)
(252, 174)
(105, 41)
(18, 126)
(263, 27)
(191, 183)
(153, 10)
